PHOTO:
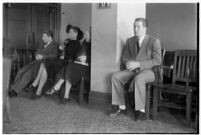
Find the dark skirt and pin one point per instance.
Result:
(73, 72)
(53, 66)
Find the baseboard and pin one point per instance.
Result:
(100, 98)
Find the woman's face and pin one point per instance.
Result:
(72, 34)
(68, 35)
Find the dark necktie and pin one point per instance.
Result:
(138, 45)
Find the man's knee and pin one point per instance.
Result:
(139, 79)
(144, 77)
(114, 77)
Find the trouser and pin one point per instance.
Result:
(138, 84)
(119, 79)
(25, 76)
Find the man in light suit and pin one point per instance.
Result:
(140, 54)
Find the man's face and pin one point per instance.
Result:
(45, 38)
(139, 29)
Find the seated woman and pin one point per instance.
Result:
(74, 70)
(53, 67)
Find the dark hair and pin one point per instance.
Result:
(48, 33)
(78, 31)
(68, 27)
(80, 34)
(143, 20)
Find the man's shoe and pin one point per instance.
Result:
(35, 97)
(140, 116)
(31, 88)
(12, 93)
(118, 112)
(64, 101)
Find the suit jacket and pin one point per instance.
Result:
(29, 71)
(149, 54)
(50, 52)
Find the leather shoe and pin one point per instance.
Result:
(140, 116)
(64, 101)
(31, 88)
(35, 97)
(12, 93)
(118, 112)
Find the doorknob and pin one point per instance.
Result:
(28, 39)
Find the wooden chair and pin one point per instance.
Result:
(184, 73)
(83, 90)
(158, 79)
(80, 88)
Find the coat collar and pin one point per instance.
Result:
(45, 46)
(145, 40)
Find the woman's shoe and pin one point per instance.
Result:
(51, 91)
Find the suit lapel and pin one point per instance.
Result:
(142, 52)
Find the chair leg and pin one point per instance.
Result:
(188, 108)
(7, 108)
(127, 100)
(81, 93)
(155, 102)
(196, 120)
(147, 108)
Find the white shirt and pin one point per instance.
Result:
(140, 40)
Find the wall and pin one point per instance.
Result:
(110, 29)
(174, 24)
(103, 54)
(126, 14)
(78, 14)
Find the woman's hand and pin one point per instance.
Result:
(61, 47)
(82, 58)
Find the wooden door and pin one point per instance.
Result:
(16, 27)
(24, 23)
(42, 20)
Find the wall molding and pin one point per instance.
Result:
(100, 98)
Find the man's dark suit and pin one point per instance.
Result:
(29, 71)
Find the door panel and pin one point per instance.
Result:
(25, 23)
(17, 34)
(40, 22)
(17, 22)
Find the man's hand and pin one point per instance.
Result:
(131, 65)
(39, 57)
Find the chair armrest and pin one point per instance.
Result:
(167, 67)
(167, 70)
(158, 73)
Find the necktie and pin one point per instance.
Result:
(138, 45)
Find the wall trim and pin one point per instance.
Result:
(100, 98)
